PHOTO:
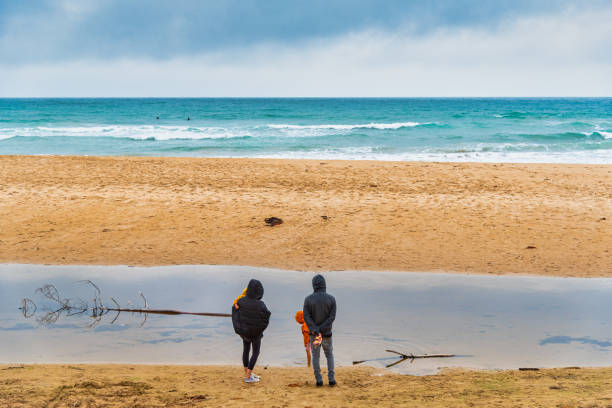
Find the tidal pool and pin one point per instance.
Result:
(489, 322)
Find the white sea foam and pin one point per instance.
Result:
(133, 132)
(145, 132)
(578, 157)
(606, 135)
(392, 126)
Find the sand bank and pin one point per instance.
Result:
(476, 218)
(175, 386)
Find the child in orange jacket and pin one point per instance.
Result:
(299, 317)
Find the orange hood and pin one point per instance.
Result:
(243, 294)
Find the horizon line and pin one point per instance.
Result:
(308, 97)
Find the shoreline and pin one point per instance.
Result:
(144, 385)
(273, 269)
(472, 218)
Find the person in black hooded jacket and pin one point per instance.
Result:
(250, 318)
(319, 315)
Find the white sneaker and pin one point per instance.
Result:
(251, 379)
(256, 376)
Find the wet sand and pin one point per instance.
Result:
(454, 217)
(175, 386)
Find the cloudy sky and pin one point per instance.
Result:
(305, 48)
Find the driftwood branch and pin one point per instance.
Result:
(413, 356)
(166, 312)
(403, 357)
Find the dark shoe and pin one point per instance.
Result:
(319, 383)
(332, 383)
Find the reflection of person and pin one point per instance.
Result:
(299, 317)
(250, 317)
(319, 315)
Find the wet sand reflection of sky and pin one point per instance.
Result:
(488, 322)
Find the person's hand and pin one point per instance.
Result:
(318, 340)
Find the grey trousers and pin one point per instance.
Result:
(328, 349)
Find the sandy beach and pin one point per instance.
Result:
(363, 215)
(197, 386)
(540, 219)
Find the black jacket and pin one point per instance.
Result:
(319, 309)
(252, 316)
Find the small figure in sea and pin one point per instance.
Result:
(188, 118)
(299, 317)
(157, 117)
(319, 315)
(250, 318)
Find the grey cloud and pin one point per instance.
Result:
(562, 54)
(54, 30)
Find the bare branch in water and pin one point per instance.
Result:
(77, 306)
(28, 308)
(92, 284)
(113, 299)
(50, 292)
(97, 307)
(118, 312)
(146, 305)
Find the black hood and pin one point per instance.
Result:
(318, 283)
(255, 289)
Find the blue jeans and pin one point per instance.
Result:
(328, 349)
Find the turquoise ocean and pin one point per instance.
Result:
(547, 130)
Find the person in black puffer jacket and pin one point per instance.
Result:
(250, 318)
(319, 315)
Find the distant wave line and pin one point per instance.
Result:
(382, 126)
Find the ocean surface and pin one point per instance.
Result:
(565, 130)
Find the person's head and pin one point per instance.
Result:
(255, 289)
(318, 283)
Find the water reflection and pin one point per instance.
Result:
(568, 340)
(488, 322)
(56, 307)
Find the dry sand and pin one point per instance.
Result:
(180, 386)
(476, 218)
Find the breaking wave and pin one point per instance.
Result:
(128, 132)
(605, 135)
(148, 132)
